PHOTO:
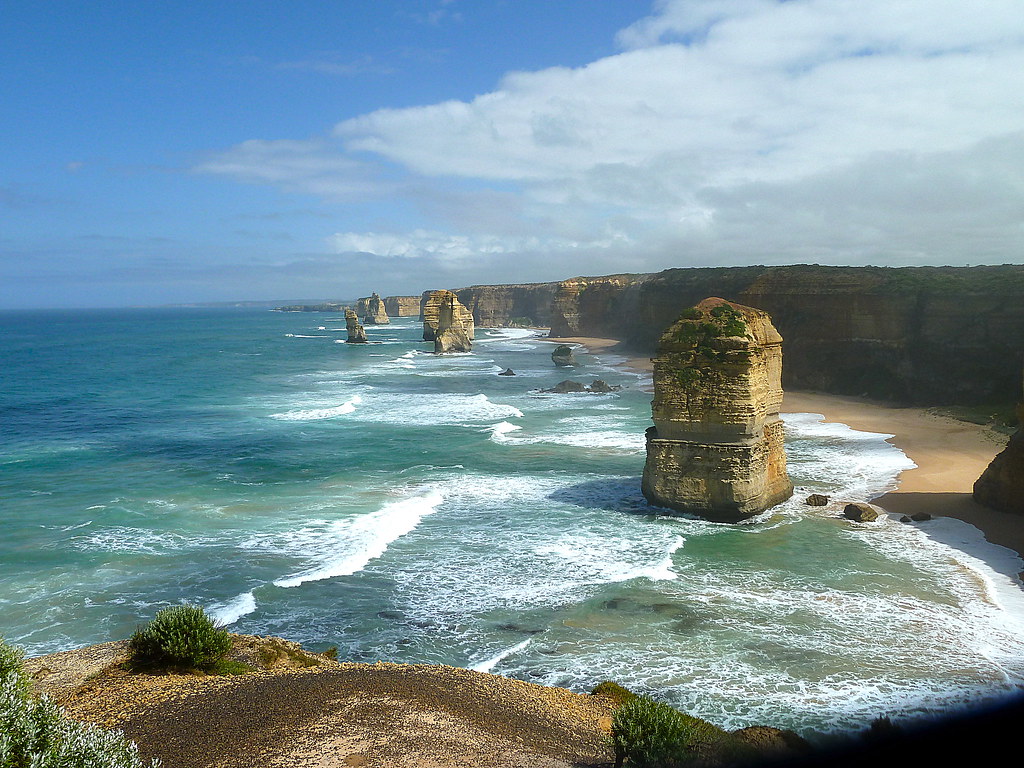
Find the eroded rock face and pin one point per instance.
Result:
(716, 447)
(562, 356)
(402, 306)
(1001, 485)
(373, 312)
(431, 312)
(356, 333)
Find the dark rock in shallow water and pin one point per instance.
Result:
(920, 517)
(861, 513)
(817, 500)
(507, 372)
(563, 357)
(569, 386)
(566, 387)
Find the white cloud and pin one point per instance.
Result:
(726, 130)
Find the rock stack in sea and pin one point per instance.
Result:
(372, 311)
(1001, 485)
(356, 334)
(453, 333)
(431, 311)
(716, 447)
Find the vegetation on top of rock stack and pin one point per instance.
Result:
(36, 733)
(183, 637)
(699, 331)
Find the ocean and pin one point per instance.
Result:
(413, 508)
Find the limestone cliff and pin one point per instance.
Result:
(372, 311)
(442, 311)
(356, 334)
(716, 447)
(494, 306)
(1001, 485)
(402, 306)
(917, 335)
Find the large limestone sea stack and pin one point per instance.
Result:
(716, 447)
(446, 322)
(356, 333)
(374, 312)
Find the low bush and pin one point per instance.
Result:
(36, 733)
(617, 693)
(180, 637)
(649, 734)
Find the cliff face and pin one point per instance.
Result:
(494, 306)
(716, 447)
(438, 305)
(592, 306)
(356, 333)
(402, 306)
(1001, 485)
(918, 335)
(373, 312)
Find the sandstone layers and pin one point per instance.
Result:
(716, 447)
(446, 322)
(356, 333)
(371, 309)
(402, 306)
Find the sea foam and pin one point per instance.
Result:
(360, 539)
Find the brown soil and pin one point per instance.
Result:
(300, 709)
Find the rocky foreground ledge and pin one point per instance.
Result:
(304, 709)
(300, 709)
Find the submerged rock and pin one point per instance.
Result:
(563, 357)
(716, 447)
(356, 333)
(507, 372)
(568, 387)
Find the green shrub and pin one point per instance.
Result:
(35, 733)
(649, 734)
(613, 691)
(180, 637)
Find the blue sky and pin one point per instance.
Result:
(164, 152)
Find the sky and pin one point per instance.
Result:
(166, 152)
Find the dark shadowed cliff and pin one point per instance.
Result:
(918, 335)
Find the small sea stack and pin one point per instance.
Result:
(356, 333)
(436, 305)
(716, 448)
(374, 312)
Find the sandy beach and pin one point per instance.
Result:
(950, 454)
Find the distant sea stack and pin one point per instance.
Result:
(402, 306)
(372, 310)
(430, 310)
(716, 447)
(356, 334)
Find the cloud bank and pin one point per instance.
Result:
(723, 132)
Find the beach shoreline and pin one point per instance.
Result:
(950, 454)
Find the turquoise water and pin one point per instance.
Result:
(415, 508)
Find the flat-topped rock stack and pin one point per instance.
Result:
(356, 333)
(716, 447)
(442, 308)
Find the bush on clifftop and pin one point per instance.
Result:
(649, 734)
(183, 636)
(35, 733)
